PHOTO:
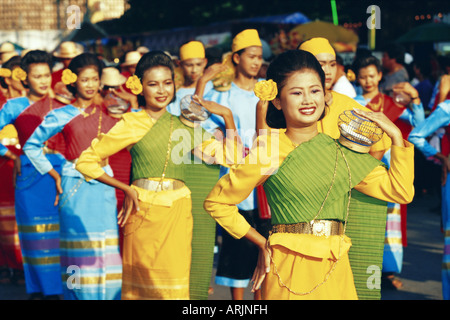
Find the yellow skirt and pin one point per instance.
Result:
(157, 247)
(306, 267)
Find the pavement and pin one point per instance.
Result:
(421, 274)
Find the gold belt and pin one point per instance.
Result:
(316, 227)
(156, 185)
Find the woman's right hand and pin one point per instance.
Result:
(55, 175)
(130, 203)
(16, 169)
(262, 268)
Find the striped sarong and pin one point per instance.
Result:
(393, 246)
(38, 224)
(91, 265)
(10, 254)
(446, 229)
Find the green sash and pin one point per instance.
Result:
(297, 190)
(149, 155)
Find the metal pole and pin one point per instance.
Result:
(334, 12)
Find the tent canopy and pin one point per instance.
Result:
(429, 32)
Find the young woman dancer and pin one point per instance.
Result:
(308, 178)
(157, 215)
(91, 265)
(37, 217)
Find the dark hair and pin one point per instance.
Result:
(10, 64)
(239, 53)
(395, 51)
(283, 66)
(364, 62)
(81, 62)
(150, 60)
(35, 56)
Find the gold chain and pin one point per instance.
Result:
(169, 149)
(333, 267)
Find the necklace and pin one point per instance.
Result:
(333, 267)
(166, 162)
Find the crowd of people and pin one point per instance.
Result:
(111, 174)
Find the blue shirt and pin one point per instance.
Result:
(439, 118)
(243, 105)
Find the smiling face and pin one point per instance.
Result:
(302, 99)
(368, 78)
(39, 80)
(329, 66)
(88, 83)
(158, 88)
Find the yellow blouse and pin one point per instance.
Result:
(133, 127)
(267, 154)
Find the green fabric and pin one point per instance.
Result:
(200, 179)
(366, 227)
(292, 200)
(149, 154)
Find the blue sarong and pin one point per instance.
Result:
(91, 264)
(38, 224)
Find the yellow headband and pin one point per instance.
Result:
(245, 39)
(192, 50)
(317, 46)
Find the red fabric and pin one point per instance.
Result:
(263, 205)
(32, 117)
(121, 166)
(56, 77)
(10, 252)
(81, 130)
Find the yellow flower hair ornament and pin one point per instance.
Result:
(5, 73)
(351, 75)
(266, 90)
(68, 77)
(18, 74)
(134, 84)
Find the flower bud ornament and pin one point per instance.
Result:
(266, 90)
(68, 77)
(18, 74)
(134, 84)
(5, 73)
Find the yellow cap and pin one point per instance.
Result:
(192, 50)
(317, 46)
(245, 39)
